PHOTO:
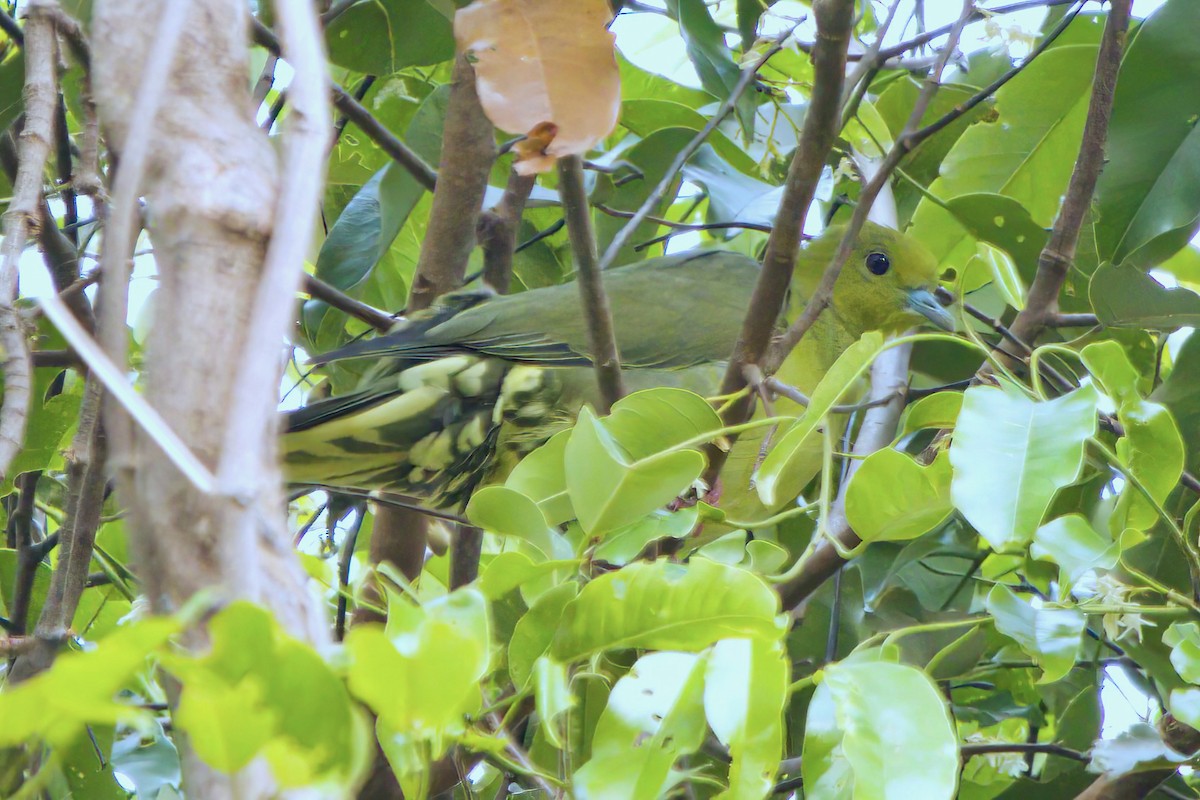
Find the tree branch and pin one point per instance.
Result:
(357, 113)
(834, 21)
(601, 337)
(497, 231)
(1059, 253)
(320, 290)
(35, 142)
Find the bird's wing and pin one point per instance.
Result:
(669, 313)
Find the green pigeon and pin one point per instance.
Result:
(460, 392)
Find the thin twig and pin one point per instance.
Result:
(86, 483)
(1049, 748)
(331, 296)
(655, 197)
(684, 226)
(602, 339)
(497, 231)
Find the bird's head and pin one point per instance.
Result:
(887, 284)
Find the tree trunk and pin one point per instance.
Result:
(211, 189)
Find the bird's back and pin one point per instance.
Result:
(477, 374)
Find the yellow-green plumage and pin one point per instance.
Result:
(462, 391)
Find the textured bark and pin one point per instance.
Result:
(211, 189)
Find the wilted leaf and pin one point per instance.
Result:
(543, 61)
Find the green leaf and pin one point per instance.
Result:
(745, 693)
(1148, 196)
(1073, 544)
(748, 13)
(1026, 151)
(1184, 640)
(621, 468)
(1125, 297)
(421, 676)
(894, 732)
(665, 606)
(732, 195)
(1051, 637)
(938, 410)
(1152, 450)
(850, 365)
(706, 49)
(893, 498)
(647, 115)
(654, 715)
(78, 690)
(540, 477)
(1184, 705)
(1178, 393)
(511, 514)
(8, 584)
(622, 546)
(379, 37)
(1011, 454)
(534, 632)
(1109, 364)
(553, 698)
(993, 264)
(239, 702)
(1001, 221)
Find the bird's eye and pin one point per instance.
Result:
(878, 263)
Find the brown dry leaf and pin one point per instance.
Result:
(544, 61)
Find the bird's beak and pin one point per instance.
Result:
(924, 303)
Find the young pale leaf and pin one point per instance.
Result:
(56, 705)
(611, 487)
(938, 410)
(421, 676)
(666, 606)
(654, 715)
(1135, 748)
(1148, 196)
(1073, 544)
(895, 734)
(745, 692)
(521, 49)
(553, 698)
(841, 376)
(826, 772)
(999, 265)
(893, 498)
(535, 630)
(239, 701)
(509, 513)
(1051, 637)
(1109, 364)
(1011, 454)
(1152, 450)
